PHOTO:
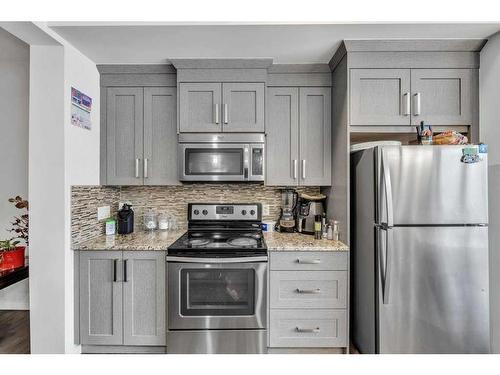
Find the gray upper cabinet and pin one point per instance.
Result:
(243, 107)
(100, 298)
(442, 96)
(380, 96)
(160, 136)
(199, 107)
(315, 136)
(299, 136)
(124, 135)
(144, 296)
(282, 136)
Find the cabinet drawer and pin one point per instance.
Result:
(308, 260)
(308, 289)
(308, 328)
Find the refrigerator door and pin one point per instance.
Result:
(433, 290)
(423, 185)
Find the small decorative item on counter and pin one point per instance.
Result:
(267, 226)
(336, 230)
(424, 134)
(324, 228)
(329, 234)
(317, 227)
(163, 222)
(450, 137)
(150, 220)
(110, 227)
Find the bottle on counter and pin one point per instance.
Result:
(329, 234)
(317, 227)
(336, 230)
(110, 227)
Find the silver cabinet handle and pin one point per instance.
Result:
(417, 109)
(145, 167)
(308, 291)
(137, 160)
(125, 270)
(308, 330)
(308, 261)
(303, 169)
(216, 113)
(294, 169)
(226, 114)
(407, 104)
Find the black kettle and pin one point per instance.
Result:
(126, 219)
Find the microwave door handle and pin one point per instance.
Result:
(246, 162)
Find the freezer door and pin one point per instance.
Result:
(433, 290)
(431, 185)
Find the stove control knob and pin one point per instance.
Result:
(196, 212)
(243, 212)
(252, 212)
(204, 212)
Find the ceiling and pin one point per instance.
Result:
(133, 43)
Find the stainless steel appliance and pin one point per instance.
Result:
(221, 157)
(217, 282)
(419, 240)
(307, 209)
(286, 222)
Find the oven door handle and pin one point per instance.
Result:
(217, 260)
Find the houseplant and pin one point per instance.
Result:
(11, 253)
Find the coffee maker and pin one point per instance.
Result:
(286, 222)
(308, 207)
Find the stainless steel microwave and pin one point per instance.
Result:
(221, 157)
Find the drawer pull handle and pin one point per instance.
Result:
(307, 330)
(312, 261)
(308, 291)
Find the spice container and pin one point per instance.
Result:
(150, 221)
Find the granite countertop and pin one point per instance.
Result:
(161, 240)
(300, 242)
(140, 240)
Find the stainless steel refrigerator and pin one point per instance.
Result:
(419, 245)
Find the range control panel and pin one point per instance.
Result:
(222, 211)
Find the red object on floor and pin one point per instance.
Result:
(13, 258)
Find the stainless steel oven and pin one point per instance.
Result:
(221, 157)
(220, 293)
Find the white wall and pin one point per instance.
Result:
(14, 107)
(489, 81)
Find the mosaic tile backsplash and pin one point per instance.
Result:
(170, 200)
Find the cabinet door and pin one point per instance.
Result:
(200, 107)
(445, 96)
(380, 96)
(124, 127)
(144, 299)
(160, 136)
(100, 298)
(282, 140)
(315, 136)
(243, 107)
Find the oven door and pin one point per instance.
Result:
(216, 295)
(214, 161)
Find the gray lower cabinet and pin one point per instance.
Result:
(298, 136)
(380, 96)
(124, 135)
(308, 299)
(123, 298)
(101, 298)
(212, 107)
(442, 96)
(144, 298)
(141, 136)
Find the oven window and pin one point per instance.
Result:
(217, 292)
(217, 161)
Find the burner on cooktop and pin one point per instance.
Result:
(242, 241)
(197, 241)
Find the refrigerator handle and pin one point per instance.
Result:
(388, 190)
(388, 262)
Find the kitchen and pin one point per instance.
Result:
(246, 205)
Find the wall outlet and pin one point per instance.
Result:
(265, 210)
(103, 212)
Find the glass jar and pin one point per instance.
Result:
(172, 223)
(150, 221)
(163, 222)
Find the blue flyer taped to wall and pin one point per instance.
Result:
(81, 106)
